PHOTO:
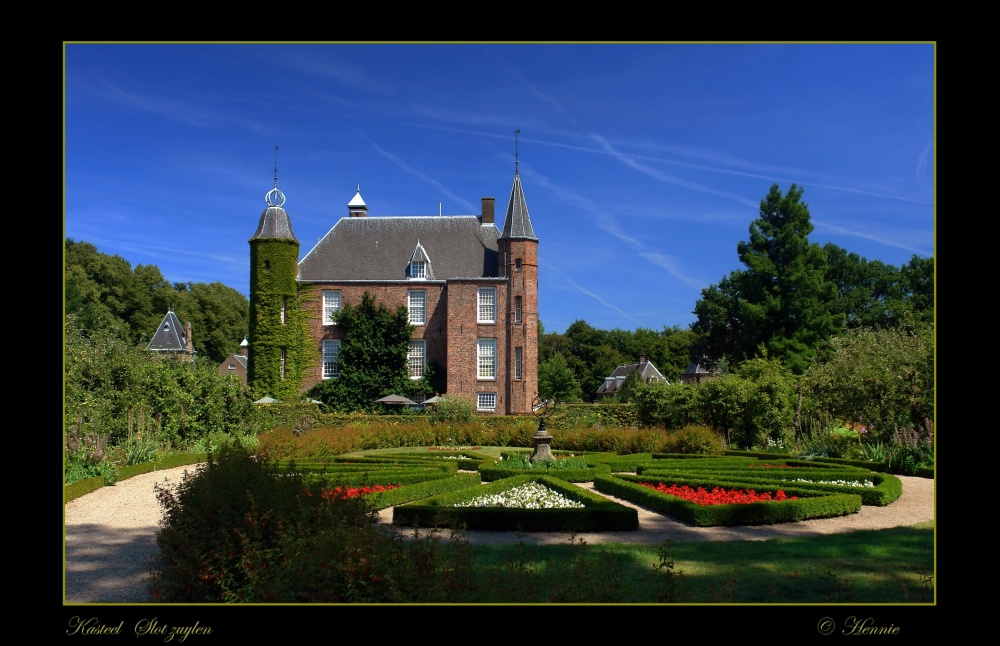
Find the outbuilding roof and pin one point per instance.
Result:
(170, 336)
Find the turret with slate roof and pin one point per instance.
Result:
(171, 337)
(272, 365)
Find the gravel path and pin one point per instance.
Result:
(111, 533)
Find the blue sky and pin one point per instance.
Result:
(642, 165)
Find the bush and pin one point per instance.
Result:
(242, 530)
(451, 410)
(695, 439)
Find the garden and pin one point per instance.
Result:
(288, 521)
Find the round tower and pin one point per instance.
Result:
(276, 340)
(518, 258)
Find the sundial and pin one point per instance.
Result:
(542, 409)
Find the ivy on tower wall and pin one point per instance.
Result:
(277, 321)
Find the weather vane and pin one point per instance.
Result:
(516, 133)
(274, 197)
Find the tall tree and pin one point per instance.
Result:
(782, 305)
(372, 356)
(556, 381)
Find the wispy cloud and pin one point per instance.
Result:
(596, 297)
(423, 177)
(881, 239)
(673, 267)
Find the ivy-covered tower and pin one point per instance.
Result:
(276, 354)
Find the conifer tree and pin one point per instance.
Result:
(782, 305)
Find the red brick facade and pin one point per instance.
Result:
(454, 334)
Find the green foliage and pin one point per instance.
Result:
(241, 530)
(782, 303)
(278, 354)
(695, 439)
(668, 406)
(104, 293)
(451, 410)
(882, 379)
(631, 387)
(372, 359)
(123, 396)
(556, 381)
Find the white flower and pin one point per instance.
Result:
(528, 496)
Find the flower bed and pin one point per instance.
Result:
(718, 495)
(532, 495)
(808, 503)
(452, 510)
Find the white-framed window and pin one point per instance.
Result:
(517, 309)
(331, 358)
(486, 356)
(517, 362)
(418, 269)
(417, 306)
(331, 305)
(416, 357)
(487, 305)
(486, 401)
(284, 307)
(284, 354)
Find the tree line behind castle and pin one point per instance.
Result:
(812, 324)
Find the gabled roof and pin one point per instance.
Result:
(380, 248)
(238, 358)
(169, 336)
(420, 255)
(517, 224)
(613, 382)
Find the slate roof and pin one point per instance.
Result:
(239, 358)
(613, 383)
(169, 337)
(274, 223)
(516, 223)
(380, 248)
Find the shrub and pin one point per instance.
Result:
(242, 530)
(695, 439)
(451, 410)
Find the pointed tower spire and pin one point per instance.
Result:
(517, 223)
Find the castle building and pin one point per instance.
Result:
(471, 291)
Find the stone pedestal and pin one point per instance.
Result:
(543, 442)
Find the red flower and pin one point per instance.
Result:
(718, 495)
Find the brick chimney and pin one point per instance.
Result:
(189, 345)
(488, 204)
(642, 358)
(243, 347)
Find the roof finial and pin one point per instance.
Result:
(516, 133)
(274, 197)
(275, 167)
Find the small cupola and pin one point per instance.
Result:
(357, 207)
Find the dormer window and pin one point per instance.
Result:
(419, 267)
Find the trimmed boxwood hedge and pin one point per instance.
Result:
(811, 504)
(493, 472)
(600, 514)
(426, 489)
